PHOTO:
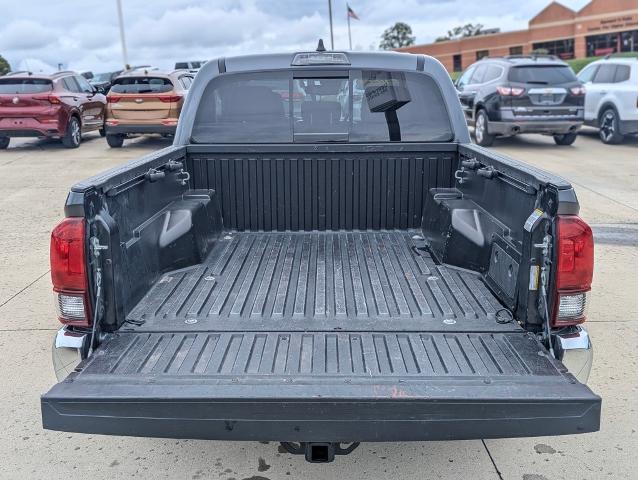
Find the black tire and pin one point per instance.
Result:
(609, 127)
(115, 141)
(4, 142)
(102, 132)
(565, 138)
(481, 126)
(73, 136)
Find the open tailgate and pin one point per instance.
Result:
(321, 386)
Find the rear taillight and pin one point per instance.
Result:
(69, 273)
(574, 270)
(52, 99)
(113, 98)
(170, 98)
(577, 90)
(505, 91)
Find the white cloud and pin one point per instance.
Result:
(85, 35)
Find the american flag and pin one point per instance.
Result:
(351, 13)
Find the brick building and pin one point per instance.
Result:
(599, 28)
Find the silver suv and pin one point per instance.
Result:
(611, 99)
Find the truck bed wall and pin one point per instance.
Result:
(322, 191)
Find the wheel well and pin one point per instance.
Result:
(604, 107)
(77, 116)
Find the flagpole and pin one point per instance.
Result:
(332, 40)
(120, 17)
(349, 33)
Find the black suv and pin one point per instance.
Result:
(505, 96)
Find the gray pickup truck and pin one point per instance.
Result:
(322, 258)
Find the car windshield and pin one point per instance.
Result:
(357, 106)
(24, 85)
(102, 77)
(142, 85)
(542, 74)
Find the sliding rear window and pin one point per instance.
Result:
(142, 85)
(542, 74)
(353, 106)
(24, 85)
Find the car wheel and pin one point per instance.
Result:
(115, 141)
(483, 138)
(102, 132)
(565, 139)
(609, 127)
(73, 135)
(4, 142)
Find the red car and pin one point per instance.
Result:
(62, 105)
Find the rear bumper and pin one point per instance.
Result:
(140, 129)
(355, 413)
(29, 127)
(534, 126)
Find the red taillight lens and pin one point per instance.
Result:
(68, 271)
(577, 90)
(574, 269)
(52, 99)
(113, 98)
(506, 91)
(170, 98)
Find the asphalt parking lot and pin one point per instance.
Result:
(35, 177)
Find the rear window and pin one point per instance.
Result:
(24, 85)
(285, 107)
(142, 85)
(542, 74)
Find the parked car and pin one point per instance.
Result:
(62, 105)
(145, 101)
(611, 101)
(193, 66)
(103, 81)
(505, 96)
(318, 279)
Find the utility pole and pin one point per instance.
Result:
(332, 40)
(122, 37)
(349, 32)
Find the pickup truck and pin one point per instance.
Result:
(322, 265)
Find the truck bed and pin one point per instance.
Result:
(320, 281)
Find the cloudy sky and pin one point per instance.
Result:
(83, 35)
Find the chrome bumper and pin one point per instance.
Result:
(575, 350)
(66, 351)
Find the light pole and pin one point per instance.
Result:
(332, 40)
(122, 37)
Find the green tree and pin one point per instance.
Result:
(467, 30)
(397, 36)
(4, 66)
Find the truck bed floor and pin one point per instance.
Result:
(319, 281)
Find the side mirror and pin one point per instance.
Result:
(99, 89)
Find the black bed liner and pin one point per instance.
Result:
(365, 281)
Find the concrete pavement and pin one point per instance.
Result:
(35, 177)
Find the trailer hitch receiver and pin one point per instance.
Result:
(319, 452)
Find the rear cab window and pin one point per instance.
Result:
(137, 85)
(16, 86)
(542, 74)
(305, 107)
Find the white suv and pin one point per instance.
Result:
(611, 101)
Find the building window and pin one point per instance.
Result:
(518, 50)
(457, 63)
(482, 53)
(561, 48)
(598, 45)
